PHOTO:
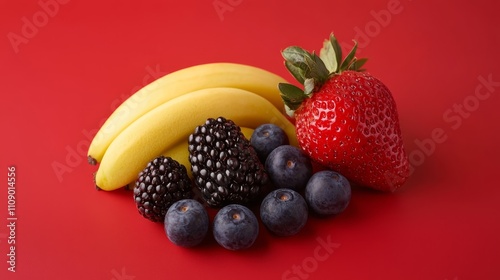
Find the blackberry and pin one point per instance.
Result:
(163, 182)
(225, 167)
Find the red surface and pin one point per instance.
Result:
(81, 60)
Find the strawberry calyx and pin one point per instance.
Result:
(312, 71)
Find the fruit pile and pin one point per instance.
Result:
(216, 136)
(231, 174)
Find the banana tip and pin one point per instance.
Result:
(91, 160)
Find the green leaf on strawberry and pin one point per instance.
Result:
(294, 96)
(328, 52)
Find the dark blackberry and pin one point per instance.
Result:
(163, 182)
(225, 167)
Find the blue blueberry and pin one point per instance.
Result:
(266, 138)
(289, 167)
(186, 223)
(235, 227)
(284, 212)
(328, 193)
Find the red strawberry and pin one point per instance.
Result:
(346, 119)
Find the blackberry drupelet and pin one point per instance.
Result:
(163, 182)
(225, 167)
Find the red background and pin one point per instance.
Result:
(84, 58)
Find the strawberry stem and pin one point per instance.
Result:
(312, 71)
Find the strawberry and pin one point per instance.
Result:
(345, 118)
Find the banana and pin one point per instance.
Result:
(247, 132)
(172, 122)
(178, 83)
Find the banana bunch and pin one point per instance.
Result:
(158, 119)
(177, 84)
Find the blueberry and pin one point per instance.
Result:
(284, 212)
(186, 223)
(235, 227)
(328, 193)
(288, 167)
(266, 138)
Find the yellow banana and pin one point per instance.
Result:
(180, 82)
(172, 122)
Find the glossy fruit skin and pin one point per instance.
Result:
(225, 167)
(288, 167)
(351, 125)
(186, 223)
(328, 193)
(161, 183)
(235, 227)
(284, 212)
(266, 138)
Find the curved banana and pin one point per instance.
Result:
(171, 123)
(180, 82)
